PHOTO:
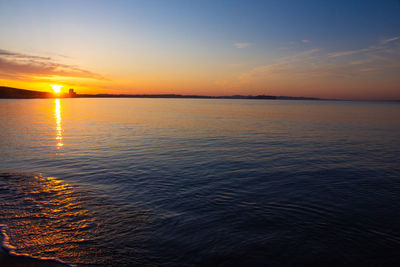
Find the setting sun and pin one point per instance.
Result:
(56, 88)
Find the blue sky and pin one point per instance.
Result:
(206, 46)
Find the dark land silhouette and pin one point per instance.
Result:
(9, 92)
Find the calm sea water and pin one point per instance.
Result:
(201, 182)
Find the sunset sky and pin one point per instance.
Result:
(332, 49)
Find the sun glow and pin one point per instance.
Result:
(56, 88)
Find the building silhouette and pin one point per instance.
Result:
(71, 93)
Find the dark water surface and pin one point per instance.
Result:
(201, 182)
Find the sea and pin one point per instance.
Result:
(201, 182)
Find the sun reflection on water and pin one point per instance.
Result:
(46, 219)
(57, 114)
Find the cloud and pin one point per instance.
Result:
(5, 53)
(19, 66)
(352, 52)
(242, 45)
(306, 41)
(390, 40)
(293, 65)
(382, 47)
(316, 65)
(322, 72)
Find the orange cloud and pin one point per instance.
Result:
(21, 66)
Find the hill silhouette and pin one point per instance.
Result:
(9, 92)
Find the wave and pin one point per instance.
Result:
(9, 258)
(33, 207)
(47, 218)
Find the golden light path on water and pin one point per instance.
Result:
(57, 114)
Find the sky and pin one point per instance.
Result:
(345, 49)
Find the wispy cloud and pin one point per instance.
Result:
(317, 65)
(390, 40)
(293, 65)
(351, 52)
(305, 41)
(13, 55)
(242, 45)
(323, 73)
(383, 46)
(20, 66)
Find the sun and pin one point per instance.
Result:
(56, 88)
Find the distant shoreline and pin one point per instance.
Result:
(15, 93)
(268, 97)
